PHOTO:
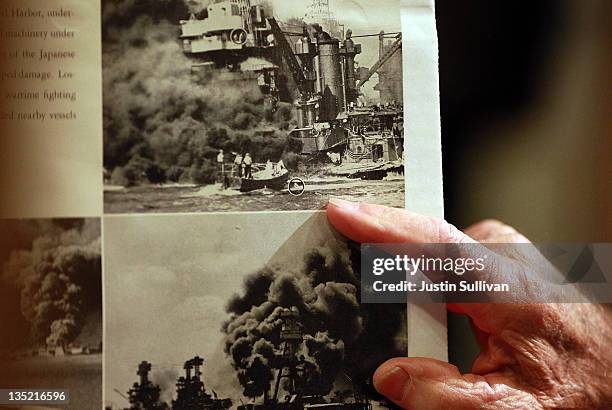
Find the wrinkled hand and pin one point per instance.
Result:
(533, 356)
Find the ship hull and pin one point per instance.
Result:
(370, 171)
(277, 183)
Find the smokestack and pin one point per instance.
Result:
(188, 366)
(350, 51)
(143, 371)
(197, 363)
(331, 78)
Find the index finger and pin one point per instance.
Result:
(367, 223)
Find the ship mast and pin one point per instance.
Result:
(291, 337)
(319, 12)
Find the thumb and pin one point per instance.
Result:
(428, 384)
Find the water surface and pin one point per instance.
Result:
(211, 198)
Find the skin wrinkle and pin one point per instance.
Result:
(445, 388)
(406, 391)
(504, 270)
(480, 386)
(443, 398)
(527, 353)
(448, 233)
(553, 389)
(396, 223)
(587, 352)
(496, 355)
(492, 391)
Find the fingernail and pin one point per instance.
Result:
(343, 204)
(393, 383)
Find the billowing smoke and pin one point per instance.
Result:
(58, 279)
(339, 335)
(196, 6)
(166, 380)
(164, 123)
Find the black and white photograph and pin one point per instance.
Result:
(251, 105)
(202, 313)
(51, 308)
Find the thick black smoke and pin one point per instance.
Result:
(339, 334)
(161, 121)
(58, 279)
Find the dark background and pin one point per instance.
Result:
(525, 122)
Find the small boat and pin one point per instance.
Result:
(273, 176)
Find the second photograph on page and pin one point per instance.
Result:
(225, 311)
(251, 105)
(51, 310)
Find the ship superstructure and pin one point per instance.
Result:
(316, 70)
(225, 25)
(145, 395)
(291, 373)
(190, 391)
(292, 388)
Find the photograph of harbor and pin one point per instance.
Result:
(251, 105)
(200, 316)
(51, 308)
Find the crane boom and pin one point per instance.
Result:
(383, 59)
(121, 394)
(289, 56)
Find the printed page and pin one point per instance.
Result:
(165, 169)
(51, 305)
(50, 109)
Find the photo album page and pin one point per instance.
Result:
(165, 166)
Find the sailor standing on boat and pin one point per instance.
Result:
(220, 166)
(247, 166)
(238, 166)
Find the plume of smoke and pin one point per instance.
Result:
(216, 376)
(59, 280)
(196, 6)
(336, 328)
(118, 15)
(159, 118)
(166, 380)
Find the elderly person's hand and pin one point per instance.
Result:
(533, 356)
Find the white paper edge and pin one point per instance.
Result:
(427, 332)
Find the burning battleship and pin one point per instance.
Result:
(292, 389)
(191, 393)
(316, 71)
(292, 375)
